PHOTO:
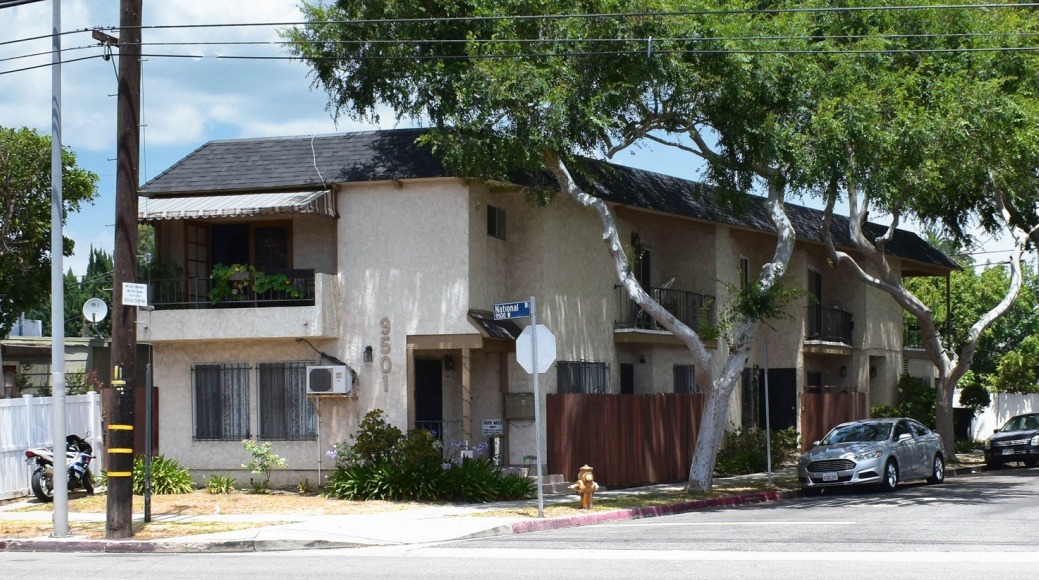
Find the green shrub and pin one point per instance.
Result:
(221, 484)
(964, 446)
(974, 395)
(884, 411)
(264, 462)
(743, 451)
(168, 477)
(916, 399)
(385, 464)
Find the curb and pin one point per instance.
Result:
(167, 547)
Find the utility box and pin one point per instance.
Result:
(519, 406)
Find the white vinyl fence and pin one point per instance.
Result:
(1003, 407)
(27, 422)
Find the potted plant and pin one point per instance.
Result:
(231, 282)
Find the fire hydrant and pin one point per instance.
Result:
(585, 486)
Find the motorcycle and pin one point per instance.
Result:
(78, 454)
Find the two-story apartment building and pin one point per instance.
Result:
(391, 265)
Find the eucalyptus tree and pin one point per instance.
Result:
(926, 113)
(533, 85)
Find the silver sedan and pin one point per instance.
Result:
(873, 452)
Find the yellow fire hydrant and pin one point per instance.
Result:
(585, 486)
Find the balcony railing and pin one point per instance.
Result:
(697, 311)
(913, 338)
(194, 293)
(829, 324)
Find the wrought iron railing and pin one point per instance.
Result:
(829, 324)
(912, 337)
(697, 311)
(195, 293)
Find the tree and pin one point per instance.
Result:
(1018, 371)
(25, 195)
(97, 283)
(532, 94)
(937, 127)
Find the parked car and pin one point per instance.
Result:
(1017, 440)
(873, 452)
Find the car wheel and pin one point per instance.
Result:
(890, 481)
(937, 469)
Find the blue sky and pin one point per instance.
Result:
(185, 101)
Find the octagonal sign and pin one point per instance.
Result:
(546, 348)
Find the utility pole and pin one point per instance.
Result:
(120, 411)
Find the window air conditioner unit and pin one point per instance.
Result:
(329, 380)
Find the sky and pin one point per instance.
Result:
(186, 102)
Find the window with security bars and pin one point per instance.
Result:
(221, 403)
(685, 379)
(285, 412)
(582, 377)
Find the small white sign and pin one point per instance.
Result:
(135, 294)
(493, 427)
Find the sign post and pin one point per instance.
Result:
(528, 357)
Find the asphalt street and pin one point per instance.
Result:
(984, 525)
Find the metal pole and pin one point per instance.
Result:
(60, 479)
(148, 438)
(537, 404)
(768, 424)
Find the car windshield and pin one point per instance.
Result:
(1022, 423)
(858, 432)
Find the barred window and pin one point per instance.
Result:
(582, 377)
(221, 401)
(685, 379)
(285, 412)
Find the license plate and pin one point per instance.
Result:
(1008, 452)
(829, 477)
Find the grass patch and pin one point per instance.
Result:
(141, 530)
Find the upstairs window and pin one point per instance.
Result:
(685, 379)
(496, 222)
(582, 377)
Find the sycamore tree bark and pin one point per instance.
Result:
(951, 365)
(717, 387)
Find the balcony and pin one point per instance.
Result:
(828, 324)
(697, 311)
(185, 311)
(912, 337)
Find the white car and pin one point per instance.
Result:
(878, 452)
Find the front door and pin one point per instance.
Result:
(429, 395)
(782, 399)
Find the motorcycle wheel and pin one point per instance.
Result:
(42, 487)
(88, 481)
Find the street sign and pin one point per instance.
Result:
(507, 310)
(546, 348)
(135, 294)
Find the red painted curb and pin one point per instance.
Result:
(649, 512)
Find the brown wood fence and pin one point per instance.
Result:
(628, 439)
(822, 408)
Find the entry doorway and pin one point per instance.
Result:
(429, 395)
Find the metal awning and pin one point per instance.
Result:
(239, 205)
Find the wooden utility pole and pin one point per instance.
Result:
(120, 410)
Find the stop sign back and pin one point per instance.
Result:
(546, 348)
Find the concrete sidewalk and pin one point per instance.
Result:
(405, 527)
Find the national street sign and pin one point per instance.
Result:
(507, 310)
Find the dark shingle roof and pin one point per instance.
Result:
(296, 163)
(292, 164)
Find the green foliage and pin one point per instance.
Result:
(964, 446)
(264, 461)
(916, 399)
(221, 484)
(1018, 371)
(973, 394)
(25, 218)
(168, 477)
(386, 464)
(375, 438)
(885, 411)
(743, 451)
(243, 281)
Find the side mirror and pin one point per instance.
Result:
(904, 437)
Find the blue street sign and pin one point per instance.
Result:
(506, 310)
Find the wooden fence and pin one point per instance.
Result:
(822, 408)
(628, 439)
